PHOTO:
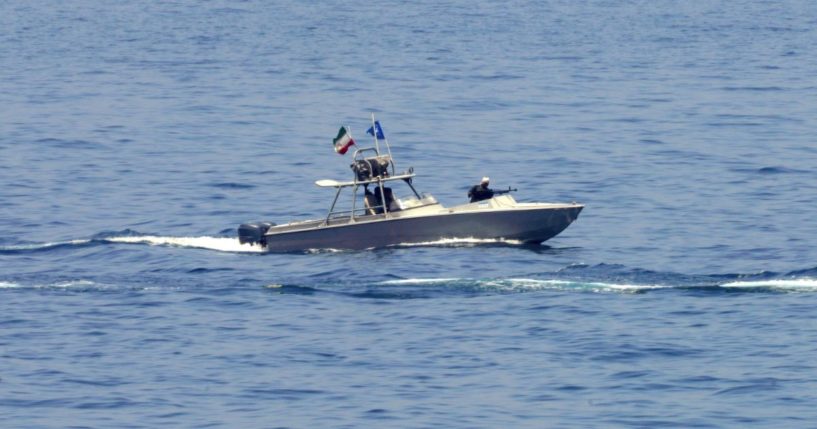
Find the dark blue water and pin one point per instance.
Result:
(135, 137)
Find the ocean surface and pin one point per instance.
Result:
(136, 136)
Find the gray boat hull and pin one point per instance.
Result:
(528, 225)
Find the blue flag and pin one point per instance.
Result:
(376, 131)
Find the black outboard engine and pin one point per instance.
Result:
(253, 232)
(369, 168)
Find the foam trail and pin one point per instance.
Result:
(525, 284)
(324, 250)
(419, 281)
(73, 283)
(66, 284)
(222, 244)
(41, 246)
(522, 284)
(788, 284)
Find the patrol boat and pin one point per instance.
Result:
(384, 220)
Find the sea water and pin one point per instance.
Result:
(136, 136)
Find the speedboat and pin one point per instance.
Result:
(378, 218)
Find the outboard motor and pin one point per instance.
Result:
(253, 232)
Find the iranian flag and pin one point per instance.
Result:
(343, 141)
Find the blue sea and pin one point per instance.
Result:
(136, 136)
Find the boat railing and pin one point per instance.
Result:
(346, 214)
(376, 169)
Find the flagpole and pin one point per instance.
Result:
(375, 130)
(376, 146)
(388, 148)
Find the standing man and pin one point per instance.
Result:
(482, 191)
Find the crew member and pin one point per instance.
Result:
(481, 192)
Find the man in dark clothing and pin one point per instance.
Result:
(481, 192)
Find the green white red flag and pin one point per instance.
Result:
(343, 141)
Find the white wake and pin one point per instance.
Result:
(805, 284)
(222, 244)
(40, 246)
(526, 284)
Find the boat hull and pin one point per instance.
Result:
(527, 225)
